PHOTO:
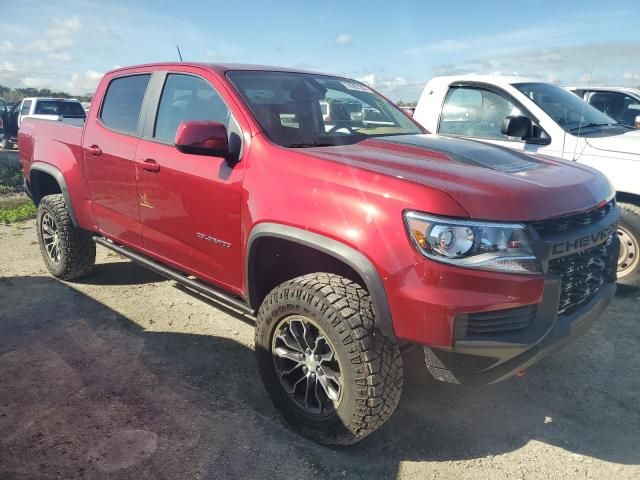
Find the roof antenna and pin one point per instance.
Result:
(179, 54)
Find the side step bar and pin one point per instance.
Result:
(200, 287)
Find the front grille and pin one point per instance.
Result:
(583, 273)
(512, 320)
(564, 224)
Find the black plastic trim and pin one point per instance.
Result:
(59, 177)
(501, 360)
(207, 290)
(351, 257)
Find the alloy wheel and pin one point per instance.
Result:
(50, 237)
(306, 365)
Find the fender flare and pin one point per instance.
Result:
(59, 178)
(348, 255)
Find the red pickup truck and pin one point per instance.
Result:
(346, 239)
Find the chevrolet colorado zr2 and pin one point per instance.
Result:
(346, 239)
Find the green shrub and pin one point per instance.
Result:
(17, 211)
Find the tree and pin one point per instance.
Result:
(15, 95)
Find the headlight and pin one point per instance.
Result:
(502, 247)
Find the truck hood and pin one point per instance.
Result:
(628, 142)
(489, 181)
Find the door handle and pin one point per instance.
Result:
(150, 165)
(94, 150)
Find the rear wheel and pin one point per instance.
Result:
(629, 235)
(331, 374)
(68, 251)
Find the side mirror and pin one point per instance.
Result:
(517, 126)
(202, 138)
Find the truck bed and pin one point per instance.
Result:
(43, 140)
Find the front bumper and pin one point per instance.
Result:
(487, 361)
(481, 327)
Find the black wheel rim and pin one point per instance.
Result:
(307, 366)
(50, 238)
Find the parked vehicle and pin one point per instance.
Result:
(620, 103)
(66, 110)
(408, 110)
(541, 118)
(339, 110)
(345, 243)
(50, 109)
(4, 118)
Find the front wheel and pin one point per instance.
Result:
(328, 370)
(629, 234)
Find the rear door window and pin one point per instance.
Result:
(123, 101)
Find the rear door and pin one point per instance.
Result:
(190, 204)
(110, 141)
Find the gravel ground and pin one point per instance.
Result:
(126, 376)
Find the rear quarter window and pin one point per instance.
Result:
(123, 101)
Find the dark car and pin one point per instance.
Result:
(9, 134)
(4, 117)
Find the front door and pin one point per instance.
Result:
(190, 204)
(110, 141)
(477, 113)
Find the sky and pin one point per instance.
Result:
(395, 47)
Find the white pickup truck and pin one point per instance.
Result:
(620, 103)
(542, 118)
(68, 110)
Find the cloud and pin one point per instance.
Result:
(60, 56)
(397, 88)
(589, 62)
(494, 42)
(85, 82)
(343, 39)
(633, 77)
(56, 38)
(6, 46)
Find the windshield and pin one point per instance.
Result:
(299, 110)
(60, 107)
(565, 108)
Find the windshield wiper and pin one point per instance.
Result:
(593, 124)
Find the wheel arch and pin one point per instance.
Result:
(45, 179)
(626, 197)
(333, 254)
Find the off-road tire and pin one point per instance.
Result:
(77, 249)
(371, 363)
(630, 222)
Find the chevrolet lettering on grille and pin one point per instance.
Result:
(583, 243)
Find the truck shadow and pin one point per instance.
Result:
(84, 388)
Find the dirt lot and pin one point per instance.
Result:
(124, 375)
